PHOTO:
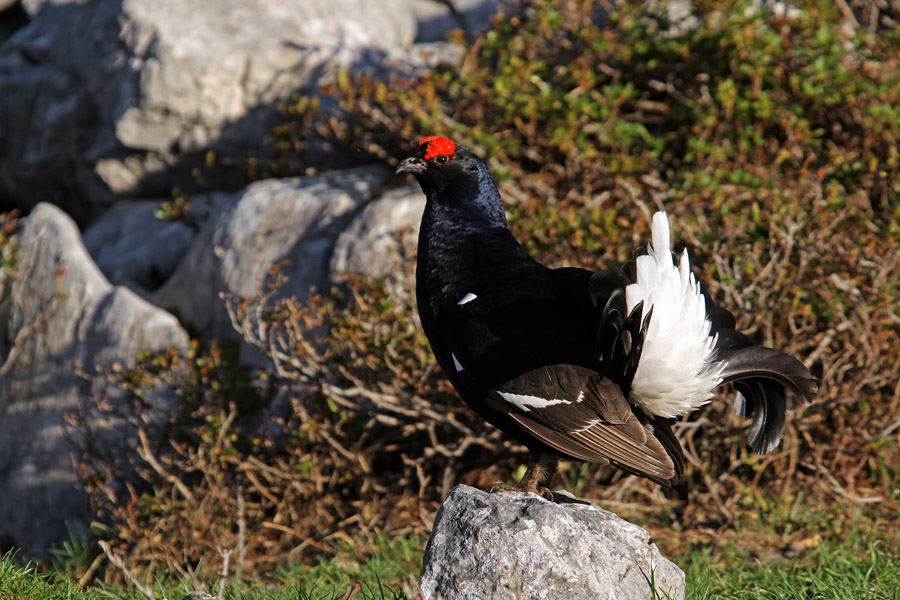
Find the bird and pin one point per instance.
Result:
(573, 363)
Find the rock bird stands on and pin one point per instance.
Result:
(575, 364)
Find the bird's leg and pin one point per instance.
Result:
(539, 474)
(540, 471)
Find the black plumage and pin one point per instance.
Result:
(549, 356)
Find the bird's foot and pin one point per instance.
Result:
(540, 471)
(540, 491)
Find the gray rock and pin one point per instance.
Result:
(297, 219)
(435, 19)
(124, 97)
(679, 15)
(60, 310)
(512, 545)
(373, 244)
(134, 248)
(476, 14)
(426, 56)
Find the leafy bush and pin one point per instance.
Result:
(576, 118)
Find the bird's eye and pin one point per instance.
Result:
(441, 159)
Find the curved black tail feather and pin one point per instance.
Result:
(760, 376)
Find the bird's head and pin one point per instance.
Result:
(453, 176)
(439, 162)
(432, 153)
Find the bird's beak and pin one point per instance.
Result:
(411, 165)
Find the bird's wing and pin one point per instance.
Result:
(579, 414)
(514, 324)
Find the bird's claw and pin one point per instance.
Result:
(503, 487)
(546, 494)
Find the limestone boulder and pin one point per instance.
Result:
(293, 221)
(136, 248)
(381, 239)
(514, 545)
(115, 98)
(59, 314)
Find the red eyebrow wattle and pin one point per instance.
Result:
(436, 146)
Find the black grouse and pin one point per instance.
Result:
(576, 364)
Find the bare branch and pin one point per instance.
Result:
(116, 560)
(147, 454)
(223, 575)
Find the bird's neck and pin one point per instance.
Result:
(444, 266)
(457, 252)
(464, 239)
(466, 203)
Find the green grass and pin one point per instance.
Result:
(859, 564)
(379, 568)
(863, 568)
(25, 582)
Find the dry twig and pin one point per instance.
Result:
(116, 560)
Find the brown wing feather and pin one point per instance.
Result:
(662, 430)
(601, 428)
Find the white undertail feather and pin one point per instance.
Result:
(677, 371)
